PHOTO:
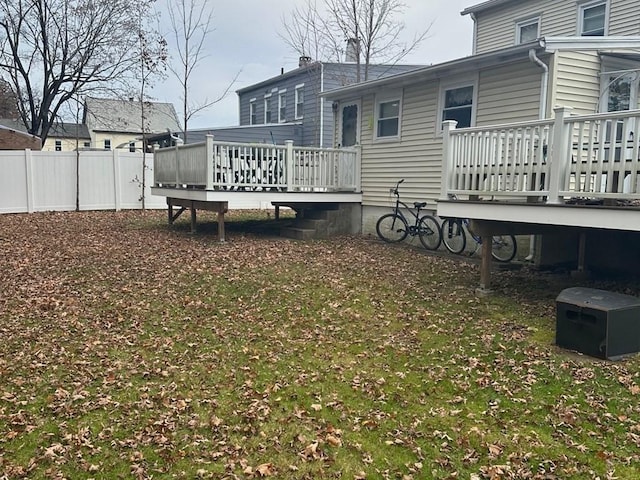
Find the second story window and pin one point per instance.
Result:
(282, 106)
(253, 116)
(132, 147)
(527, 30)
(58, 145)
(299, 99)
(107, 144)
(267, 109)
(593, 19)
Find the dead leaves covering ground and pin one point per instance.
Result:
(129, 350)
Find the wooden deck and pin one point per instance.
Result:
(580, 172)
(207, 175)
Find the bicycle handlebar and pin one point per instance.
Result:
(394, 190)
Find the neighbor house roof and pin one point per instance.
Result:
(115, 115)
(315, 65)
(69, 130)
(13, 124)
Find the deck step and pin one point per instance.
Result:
(298, 233)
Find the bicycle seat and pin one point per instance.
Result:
(419, 204)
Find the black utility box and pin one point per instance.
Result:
(598, 323)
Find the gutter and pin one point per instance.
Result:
(544, 88)
(544, 92)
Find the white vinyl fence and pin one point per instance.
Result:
(33, 181)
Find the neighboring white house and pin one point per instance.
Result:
(65, 137)
(114, 123)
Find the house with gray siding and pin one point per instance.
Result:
(528, 56)
(294, 98)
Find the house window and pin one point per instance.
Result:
(282, 106)
(107, 144)
(58, 145)
(87, 144)
(527, 30)
(458, 105)
(593, 19)
(253, 116)
(299, 99)
(132, 147)
(388, 117)
(267, 108)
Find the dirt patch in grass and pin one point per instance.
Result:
(134, 350)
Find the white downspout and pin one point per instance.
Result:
(544, 89)
(321, 105)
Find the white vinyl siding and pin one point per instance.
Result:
(624, 17)
(577, 81)
(503, 100)
(417, 158)
(560, 18)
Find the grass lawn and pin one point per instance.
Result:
(131, 350)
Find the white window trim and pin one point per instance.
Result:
(252, 105)
(386, 97)
(105, 142)
(282, 94)
(582, 6)
(453, 84)
(267, 101)
(525, 22)
(299, 88)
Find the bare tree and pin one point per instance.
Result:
(190, 25)
(152, 60)
(53, 50)
(372, 27)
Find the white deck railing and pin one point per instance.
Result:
(216, 165)
(587, 156)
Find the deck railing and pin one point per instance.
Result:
(214, 165)
(586, 156)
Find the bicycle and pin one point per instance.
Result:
(395, 227)
(503, 247)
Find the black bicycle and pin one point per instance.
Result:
(503, 247)
(394, 227)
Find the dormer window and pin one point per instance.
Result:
(593, 19)
(527, 30)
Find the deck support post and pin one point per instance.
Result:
(581, 271)
(485, 267)
(193, 218)
(277, 212)
(221, 225)
(171, 217)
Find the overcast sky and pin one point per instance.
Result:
(245, 40)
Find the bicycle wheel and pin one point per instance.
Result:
(392, 228)
(429, 232)
(453, 235)
(503, 248)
